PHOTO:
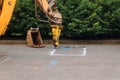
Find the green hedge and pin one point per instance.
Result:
(81, 19)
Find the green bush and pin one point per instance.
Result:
(81, 18)
(24, 18)
(91, 18)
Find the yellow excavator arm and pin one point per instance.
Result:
(55, 18)
(6, 10)
(48, 7)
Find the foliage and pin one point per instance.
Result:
(91, 18)
(81, 18)
(24, 18)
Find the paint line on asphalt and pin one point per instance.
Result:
(5, 60)
(52, 52)
(68, 55)
(84, 53)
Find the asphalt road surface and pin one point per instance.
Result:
(68, 62)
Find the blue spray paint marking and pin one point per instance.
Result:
(53, 63)
(64, 48)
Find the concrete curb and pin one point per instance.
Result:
(65, 42)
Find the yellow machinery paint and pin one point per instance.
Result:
(56, 30)
(7, 7)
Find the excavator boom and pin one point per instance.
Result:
(49, 7)
(6, 10)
